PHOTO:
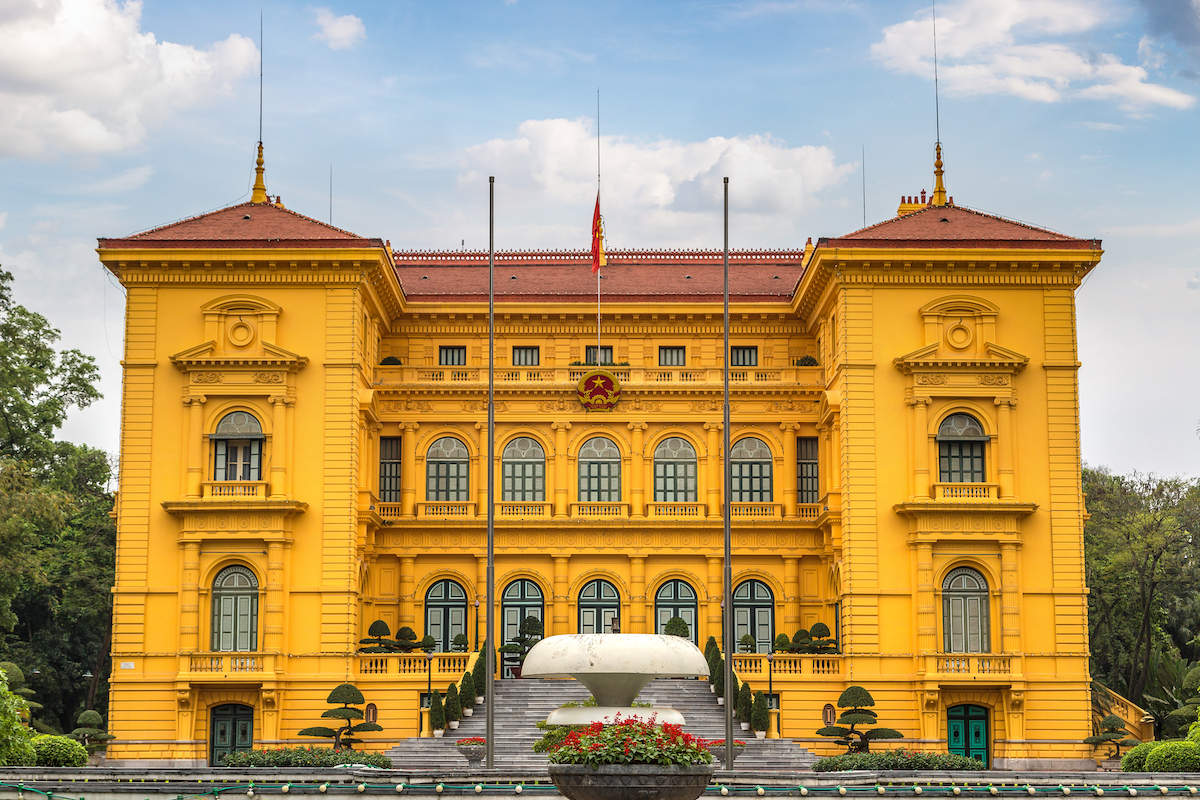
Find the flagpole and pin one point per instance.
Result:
(490, 651)
(727, 622)
(602, 224)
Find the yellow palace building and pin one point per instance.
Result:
(304, 448)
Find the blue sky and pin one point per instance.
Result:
(1077, 115)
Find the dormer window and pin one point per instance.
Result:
(237, 448)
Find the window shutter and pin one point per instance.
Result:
(219, 455)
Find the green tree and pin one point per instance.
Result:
(747, 644)
(718, 677)
(822, 640)
(453, 707)
(856, 703)
(348, 696)
(91, 733)
(802, 641)
(1112, 732)
(529, 634)
(406, 640)
(676, 627)
(466, 690)
(437, 712)
(479, 676)
(744, 700)
(377, 640)
(760, 717)
(16, 749)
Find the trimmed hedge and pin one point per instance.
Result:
(1135, 759)
(896, 759)
(1174, 757)
(59, 751)
(304, 757)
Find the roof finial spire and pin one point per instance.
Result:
(939, 188)
(259, 195)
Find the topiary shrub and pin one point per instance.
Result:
(744, 699)
(782, 643)
(377, 641)
(349, 696)
(897, 759)
(718, 678)
(304, 757)
(529, 634)
(677, 627)
(460, 643)
(1174, 757)
(760, 717)
(1112, 731)
(802, 641)
(90, 731)
(857, 701)
(437, 712)
(59, 751)
(747, 644)
(806, 361)
(821, 639)
(390, 361)
(453, 707)
(466, 690)
(479, 676)
(711, 646)
(406, 639)
(1135, 759)
(428, 643)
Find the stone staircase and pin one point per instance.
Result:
(523, 703)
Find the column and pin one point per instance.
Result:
(637, 478)
(790, 479)
(189, 599)
(408, 468)
(715, 592)
(407, 589)
(835, 452)
(279, 447)
(560, 468)
(791, 599)
(273, 616)
(638, 607)
(920, 407)
(926, 601)
(195, 445)
(561, 605)
(1010, 599)
(714, 469)
(481, 480)
(1004, 449)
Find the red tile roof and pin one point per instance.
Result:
(245, 225)
(665, 276)
(954, 226)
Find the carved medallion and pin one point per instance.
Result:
(599, 390)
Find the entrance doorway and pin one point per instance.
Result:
(967, 732)
(599, 605)
(521, 599)
(232, 731)
(676, 599)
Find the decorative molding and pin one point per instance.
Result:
(407, 404)
(930, 379)
(558, 404)
(474, 406)
(206, 377)
(638, 404)
(702, 406)
(792, 404)
(268, 377)
(993, 380)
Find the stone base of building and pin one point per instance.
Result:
(1046, 764)
(157, 763)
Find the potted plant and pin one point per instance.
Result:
(783, 644)
(717, 748)
(822, 639)
(377, 641)
(406, 639)
(466, 694)
(631, 758)
(529, 634)
(676, 626)
(428, 644)
(760, 718)
(479, 678)
(437, 714)
(452, 708)
(747, 643)
(718, 681)
(473, 749)
(460, 643)
(743, 706)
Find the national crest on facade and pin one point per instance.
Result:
(599, 390)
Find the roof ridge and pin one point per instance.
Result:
(967, 209)
(245, 204)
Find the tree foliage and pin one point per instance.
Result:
(529, 634)
(856, 703)
(676, 626)
(348, 696)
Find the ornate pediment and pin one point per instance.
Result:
(207, 357)
(931, 359)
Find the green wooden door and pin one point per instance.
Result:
(967, 732)
(232, 730)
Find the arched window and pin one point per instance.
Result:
(965, 612)
(237, 448)
(674, 471)
(235, 610)
(960, 450)
(750, 463)
(447, 465)
(521, 599)
(754, 614)
(675, 599)
(599, 471)
(524, 468)
(445, 614)
(599, 605)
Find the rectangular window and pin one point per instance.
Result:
(605, 356)
(527, 356)
(237, 460)
(808, 487)
(743, 356)
(600, 482)
(961, 462)
(389, 469)
(674, 481)
(452, 356)
(446, 482)
(671, 357)
(751, 482)
(524, 482)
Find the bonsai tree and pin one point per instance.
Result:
(437, 712)
(377, 641)
(1112, 731)
(479, 677)
(529, 634)
(759, 716)
(856, 702)
(459, 645)
(783, 644)
(466, 690)
(16, 685)
(348, 696)
(677, 627)
(453, 708)
(744, 701)
(822, 641)
(91, 733)
(406, 639)
(747, 644)
(806, 361)
(428, 644)
(802, 642)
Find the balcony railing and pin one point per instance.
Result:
(634, 375)
(606, 510)
(676, 510)
(965, 492)
(747, 664)
(972, 665)
(444, 664)
(391, 513)
(234, 490)
(755, 510)
(226, 664)
(453, 510)
(809, 510)
(388, 512)
(524, 510)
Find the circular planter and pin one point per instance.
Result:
(745, 725)
(622, 781)
(718, 754)
(479, 699)
(453, 724)
(760, 734)
(473, 753)
(437, 732)
(468, 712)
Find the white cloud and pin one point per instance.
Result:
(340, 33)
(1008, 47)
(1194, 283)
(1103, 126)
(662, 192)
(80, 76)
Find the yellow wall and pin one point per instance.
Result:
(330, 557)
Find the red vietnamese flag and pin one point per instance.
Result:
(598, 259)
